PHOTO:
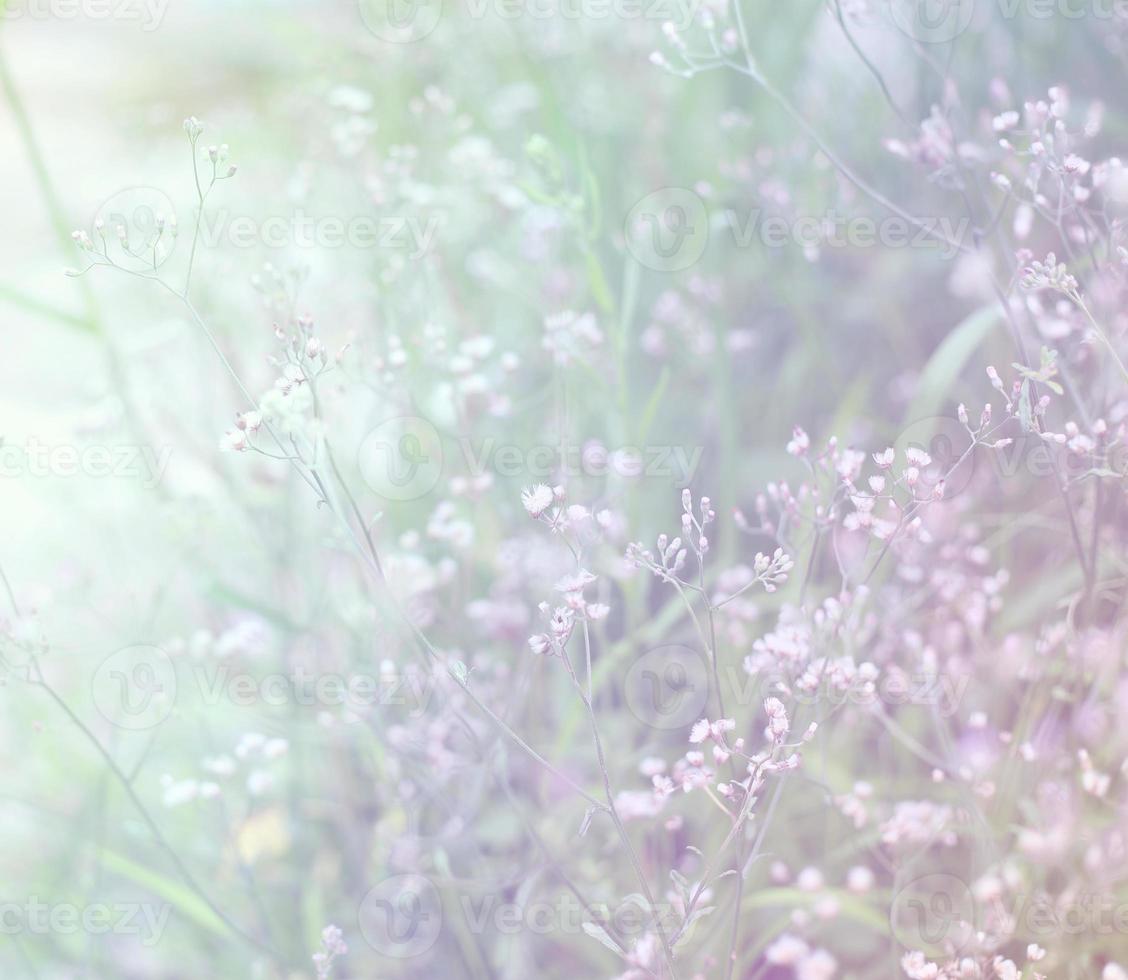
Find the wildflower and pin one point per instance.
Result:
(916, 967)
(1049, 274)
(332, 939)
(291, 379)
(1005, 120)
(249, 421)
(235, 441)
(1005, 969)
(818, 965)
(800, 442)
(570, 337)
(809, 880)
(778, 724)
(705, 729)
(576, 582)
(537, 499)
(859, 879)
(884, 459)
(788, 950)
(193, 127)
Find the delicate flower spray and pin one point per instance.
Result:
(855, 720)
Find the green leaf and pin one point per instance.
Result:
(942, 372)
(1025, 410)
(187, 902)
(601, 934)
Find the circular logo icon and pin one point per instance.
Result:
(402, 458)
(934, 914)
(135, 688)
(668, 687)
(401, 917)
(668, 230)
(137, 227)
(932, 21)
(401, 21)
(945, 440)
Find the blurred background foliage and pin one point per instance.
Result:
(533, 139)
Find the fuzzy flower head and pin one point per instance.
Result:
(537, 499)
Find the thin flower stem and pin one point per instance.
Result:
(667, 950)
(158, 835)
(842, 167)
(1076, 297)
(371, 557)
